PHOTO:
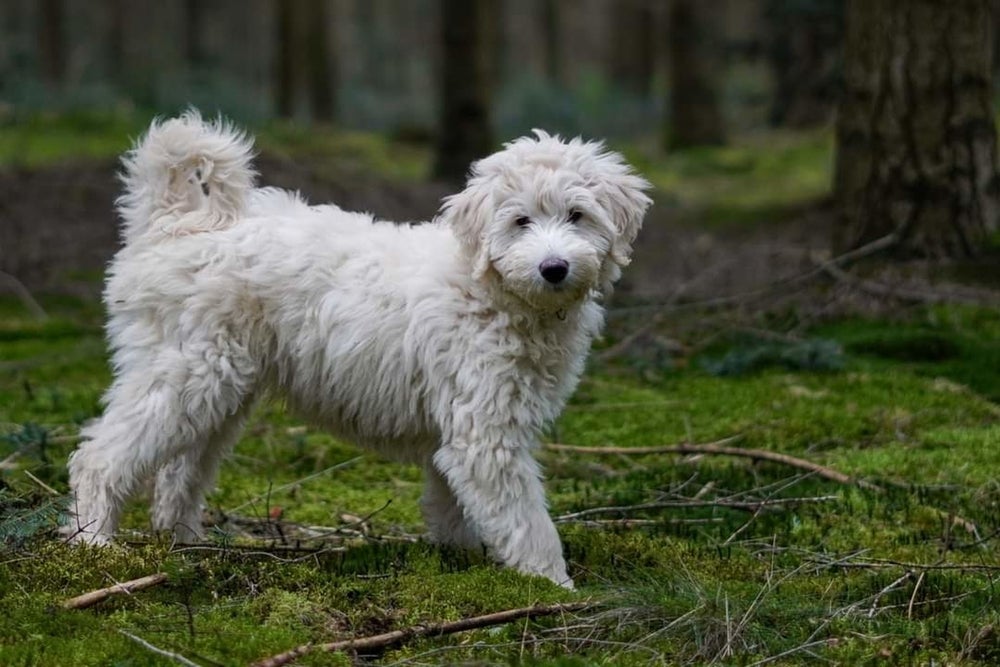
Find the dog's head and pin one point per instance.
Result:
(548, 220)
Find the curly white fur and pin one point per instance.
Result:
(450, 344)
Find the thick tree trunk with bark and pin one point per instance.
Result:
(695, 117)
(464, 127)
(916, 141)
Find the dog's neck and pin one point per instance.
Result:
(532, 320)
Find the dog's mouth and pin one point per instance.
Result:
(548, 297)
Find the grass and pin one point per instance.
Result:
(763, 178)
(692, 585)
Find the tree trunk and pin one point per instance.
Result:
(916, 141)
(51, 41)
(634, 54)
(284, 58)
(695, 116)
(551, 42)
(115, 41)
(322, 80)
(804, 46)
(193, 19)
(464, 130)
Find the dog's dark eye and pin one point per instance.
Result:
(523, 221)
(574, 216)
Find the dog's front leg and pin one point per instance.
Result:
(499, 489)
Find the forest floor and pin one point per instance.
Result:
(872, 538)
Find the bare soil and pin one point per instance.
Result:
(58, 227)
(58, 231)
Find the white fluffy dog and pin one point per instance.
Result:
(450, 344)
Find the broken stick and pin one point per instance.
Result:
(93, 597)
(387, 639)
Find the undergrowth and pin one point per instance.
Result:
(730, 562)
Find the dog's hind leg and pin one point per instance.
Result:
(182, 483)
(155, 413)
(444, 517)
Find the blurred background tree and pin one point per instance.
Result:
(695, 112)
(305, 61)
(916, 136)
(804, 45)
(668, 80)
(598, 67)
(464, 88)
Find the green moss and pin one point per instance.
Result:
(761, 179)
(690, 584)
(43, 139)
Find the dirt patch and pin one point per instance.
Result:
(59, 230)
(58, 227)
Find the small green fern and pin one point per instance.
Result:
(24, 517)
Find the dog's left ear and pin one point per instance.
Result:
(469, 213)
(622, 194)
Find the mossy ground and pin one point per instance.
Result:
(858, 575)
(906, 574)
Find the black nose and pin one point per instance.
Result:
(554, 270)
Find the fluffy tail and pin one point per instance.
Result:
(185, 176)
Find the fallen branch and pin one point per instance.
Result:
(633, 523)
(719, 448)
(747, 505)
(904, 293)
(882, 564)
(128, 587)
(387, 639)
(878, 245)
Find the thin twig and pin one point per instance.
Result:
(10, 463)
(719, 448)
(747, 505)
(387, 639)
(128, 587)
(904, 293)
(886, 563)
(913, 597)
(338, 466)
(891, 587)
(22, 292)
(657, 319)
(176, 657)
(876, 246)
(795, 649)
(45, 487)
(632, 523)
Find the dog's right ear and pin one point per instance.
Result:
(469, 213)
